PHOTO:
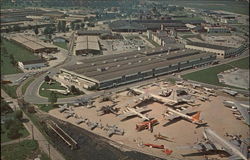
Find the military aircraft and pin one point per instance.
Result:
(65, 92)
(237, 148)
(241, 108)
(111, 130)
(81, 120)
(63, 108)
(92, 125)
(83, 101)
(134, 112)
(167, 100)
(230, 92)
(106, 109)
(159, 136)
(173, 114)
(208, 89)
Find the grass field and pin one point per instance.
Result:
(210, 75)
(27, 149)
(10, 90)
(56, 85)
(61, 44)
(19, 53)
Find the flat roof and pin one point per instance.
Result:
(87, 42)
(112, 66)
(207, 45)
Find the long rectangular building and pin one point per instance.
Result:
(34, 45)
(114, 70)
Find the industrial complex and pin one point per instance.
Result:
(118, 80)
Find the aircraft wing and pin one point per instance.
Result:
(244, 112)
(126, 114)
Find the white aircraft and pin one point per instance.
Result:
(65, 92)
(236, 148)
(172, 114)
(134, 112)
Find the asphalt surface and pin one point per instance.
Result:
(32, 92)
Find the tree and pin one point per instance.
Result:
(63, 26)
(77, 26)
(49, 30)
(52, 98)
(12, 60)
(47, 78)
(19, 114)
(36, 30)
(59, 26)
(72, 25)
(8, 123)
(13, 132)
(74, 90)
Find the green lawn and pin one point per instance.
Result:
(24, 87)
(19, 53)
(56, 85)
(27, 149)
(61, 44)
(210, 75)
(10, 90)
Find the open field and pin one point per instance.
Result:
(61, 44)
(19, 53)
(230, 6)
(46, 107)
(210, 75)
(27, 149)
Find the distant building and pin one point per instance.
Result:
(161, 37)
(221, 51)
(32, 64)
(34, 45)
(216, 29)
(87, 45)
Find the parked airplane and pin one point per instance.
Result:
(208, 90)
(134, 112)
(63, 108)
(239, 107)
(106, 109)
(111, 130)
(159, 136)
(230, 92)
(213, 142)
(81, 120)
(167, 100)
(65, 92)
(172, 114)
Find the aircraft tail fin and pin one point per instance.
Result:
(196, 117)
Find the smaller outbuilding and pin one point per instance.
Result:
(32, 64)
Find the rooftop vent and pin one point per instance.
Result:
(129, 63)
(125, 57)
(93, 64)
(160, 55)
(118, 65)
(149, 59)
(115, 60)
(139, 61)
(135, 56)
(104, 62)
